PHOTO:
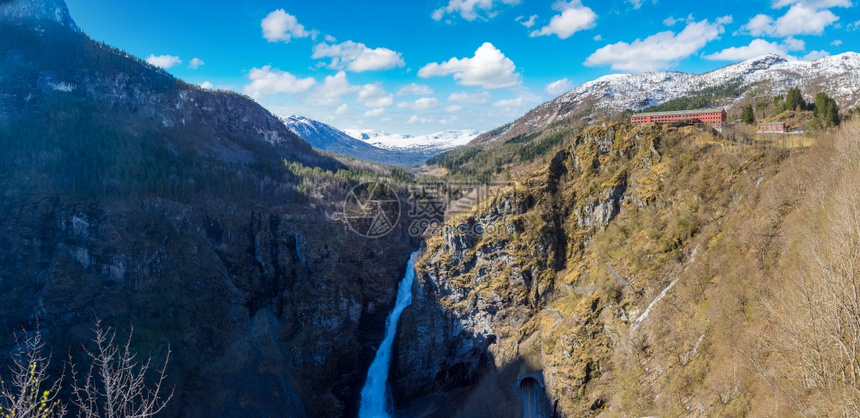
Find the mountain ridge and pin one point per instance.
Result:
(22, 10)
(442, 140)
(197, 216)
(404, 151)
(768, 75)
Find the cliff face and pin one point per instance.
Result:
(581, 256)
(245, 297)
(130, 196)
(35, 10)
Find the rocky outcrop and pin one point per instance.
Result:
(36, 10)
(601, 211)
(471, 291)
(545, 289)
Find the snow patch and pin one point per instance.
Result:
(444, 140)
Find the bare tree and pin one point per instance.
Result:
(816, 345)
(28, 393)
(115, 386)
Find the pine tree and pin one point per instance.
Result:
(748, 115)
(794, 100)
(826, 110)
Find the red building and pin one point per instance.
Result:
(711, 116)
(772, 127)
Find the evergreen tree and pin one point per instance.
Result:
(779, 103)
(826, 110)
(748, 116)
(794, 100)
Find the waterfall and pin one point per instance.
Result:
(374, 397)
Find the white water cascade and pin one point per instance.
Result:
(374, 397)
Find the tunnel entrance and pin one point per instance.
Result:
(535, 403)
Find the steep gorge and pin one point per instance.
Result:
(645, 270)
(191, 216)
(633, 270)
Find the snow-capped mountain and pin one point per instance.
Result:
(323, 136)
(767, 75)
(441, 141)
(23, 10)
(376, 146)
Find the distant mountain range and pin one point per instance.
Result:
(441, 141)
(764, 76)
(377, 146)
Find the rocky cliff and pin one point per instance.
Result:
(579, 257)
(30, 11)
(130, 196)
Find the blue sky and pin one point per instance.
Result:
(418, 67)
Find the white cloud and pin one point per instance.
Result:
(373, 113)
(792, 44)
(195, 63)
(453, 108)
(837, 42)
(574, 17)
(635, 3)
(330, 39)
(819, 4)
(472, 9)
(342, 109)
(759, 25)
(416, 119)
(804, 17)
(280, 26)
(207, 85)
(814, 55)
(163, 61)
(559, 87)
(671, 21)
(489, 68)
(756, 48)
(473, 98)
(598, 38)
(372, 95)
(449, 120)
(723, 20)
(357, 57)
(524, 99)
(518, 102)
(803, 20)
(658, 51)
(331, 90)
(266, 81)
(424, 103)
(415, 89)
(527, 22)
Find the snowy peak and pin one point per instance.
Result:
(368, 135)
(766, 75)
(377, 146)
(760, 63)
(305, 127)
(441, 141)
(323, 136)
(21, 10)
